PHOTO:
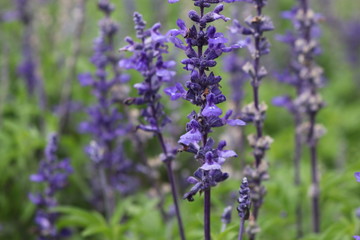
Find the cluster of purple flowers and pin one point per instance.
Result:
(148, 59)
(54, 174)
(203, 46)
(106, 122)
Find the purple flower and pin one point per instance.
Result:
(203, 180)
(356, 237)
(306, 77)
(147, 58)
(210, 108)
(357, 176)
(193, 135)
(244, 200)
(202, 46)
(253, 32)
(226, 215)
(54, 173)
(106, 123)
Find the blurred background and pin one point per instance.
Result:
(58, 36)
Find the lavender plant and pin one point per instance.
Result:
(254, 112)
(148, 59)
(306, 76)
(53, 173)
(106, 123)
(203, 46)
(243, 208)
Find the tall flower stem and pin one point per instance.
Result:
(241, 229)
(170, 173)
(256, 111)
(175, 199)
(203, 46)
(108, 204)
(207, 207)
(306, 76)
(312, 113)
(314, 175)
(148, 59)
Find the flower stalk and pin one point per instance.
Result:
(147, 59)
(203, 46)
(255, 112)
(106, 122)
(54, 174)
(306, 77)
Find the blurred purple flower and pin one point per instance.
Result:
(357, 176)
(105, 122)
(54, 173)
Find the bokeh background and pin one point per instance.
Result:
(61, 41)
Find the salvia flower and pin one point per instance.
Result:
(307, 77)
(253, 30)
(106, 123)
(53, 173)
(304, 76)
(148, 59)
(202, 46)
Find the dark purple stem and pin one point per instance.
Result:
(255, 85)
(207, 193)
(241, 229)
(207, 207)
(312, 142)
(170, 173)
(174, 195)
(314, 174)
(258, 123)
